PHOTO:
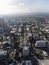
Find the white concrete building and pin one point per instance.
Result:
(41, 43)
(25, 51)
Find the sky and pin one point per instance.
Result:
(23, 6)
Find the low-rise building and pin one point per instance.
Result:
(41, 43)
(36, 36)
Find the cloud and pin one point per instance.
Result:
(23, 6)
(8, 7)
